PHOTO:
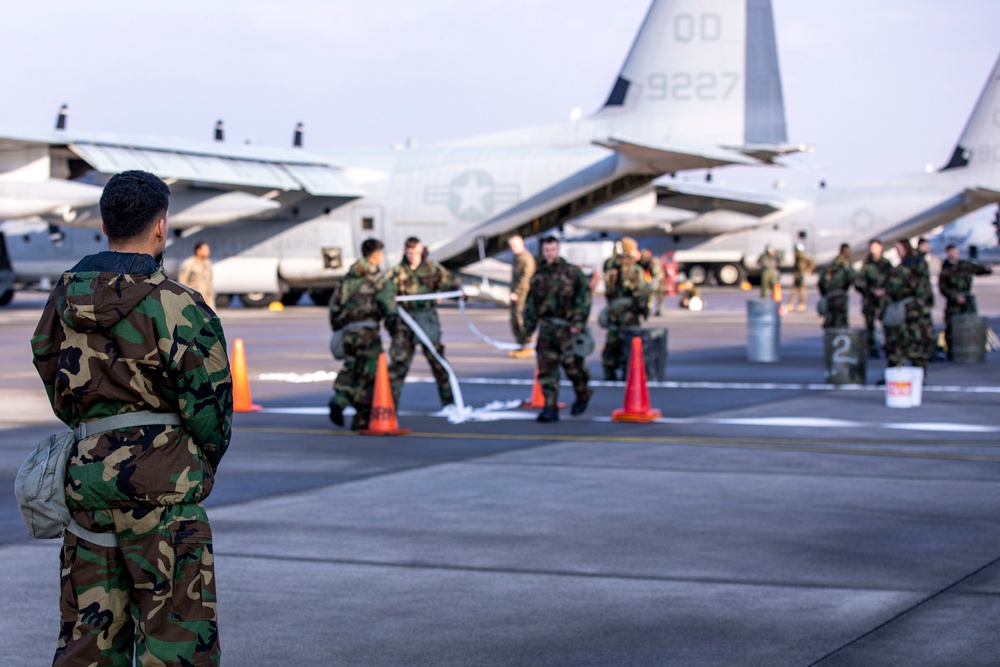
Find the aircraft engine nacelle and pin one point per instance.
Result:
(51, 196)
(715, 223)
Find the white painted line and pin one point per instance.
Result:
(507, 411)
(328, 376)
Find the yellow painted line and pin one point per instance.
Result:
(813, 447)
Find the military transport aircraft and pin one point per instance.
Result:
(699, 88)
(720, 232)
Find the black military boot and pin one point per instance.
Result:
(548, 415)
(580, 406)
(336, 414)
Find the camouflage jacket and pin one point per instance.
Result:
(196, 273)
(117, 336)
(838, 276)
(803, 264)
(653, 267)
(956, 278)
(627, 280)
(874, 274)
(910, 279)
(558, 290)
(523, 269)
(364, 295)
(927, 289)
(768, 263)
(427, 278)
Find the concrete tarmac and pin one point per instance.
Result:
(767, 519)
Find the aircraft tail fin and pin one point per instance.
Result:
(979, 146)
(701, 71)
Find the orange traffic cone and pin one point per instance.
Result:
(241, 383)
(636, 407)
(383, 416)
(776, 297)
(537, 401)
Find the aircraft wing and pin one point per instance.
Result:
(667, 158)
(207, 165)
(703, 197)
(954, 207)
(770, 152)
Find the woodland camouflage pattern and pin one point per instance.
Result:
(365, 295)
(834, 285)
(559, 290)
(768, 264)
(627, 293)
(117, 336)
(955, 281)
(915, 339)
(429, 277)
(874, 275)
(653, 266)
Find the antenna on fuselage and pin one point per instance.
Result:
(61, 118)
(219, 134)
(297, 139)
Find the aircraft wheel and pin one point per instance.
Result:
(223, 300)
(730, 274)
(258, 299)
(291, 297)
(6, 297)
(321, 297)
(697, 274)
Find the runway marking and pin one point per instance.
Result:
(800, 446)
(505, 413)
(329, 376)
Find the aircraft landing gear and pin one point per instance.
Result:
(258, 299)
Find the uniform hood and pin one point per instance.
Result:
(103, 289)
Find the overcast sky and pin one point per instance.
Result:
(881, 87)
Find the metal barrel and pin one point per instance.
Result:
(968, 339)
(763, 331)
(654, 350)
(846, 354)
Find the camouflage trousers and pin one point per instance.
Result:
(914, 341)
(555, 349)
(355, 383)
(613, 357)
(656, 296)
(798, 297)
(768, 279)
(153, 594)
(872, 310)
(517, 316)
(404, 346)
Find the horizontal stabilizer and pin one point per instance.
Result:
(702, 198)
(950, 209)
(668, 159)
(770, 152)
(19, 200)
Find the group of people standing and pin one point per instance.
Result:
(902, 297)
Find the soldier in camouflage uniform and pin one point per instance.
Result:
(908, 283)
(803, 267)
(653, 267)
(117, 336)
(834, 285)
(768, 263)
(955, 285)
(418, 274)
(523, 267)
(196, 273)
(871, 283)
(364, 298)
(627, 293)
(559, 305)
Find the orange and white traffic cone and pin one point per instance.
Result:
(777, 298)
(537, 401)
(242, 402)
(383, 416)
(636, 408)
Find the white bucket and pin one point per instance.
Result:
(903, 387)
